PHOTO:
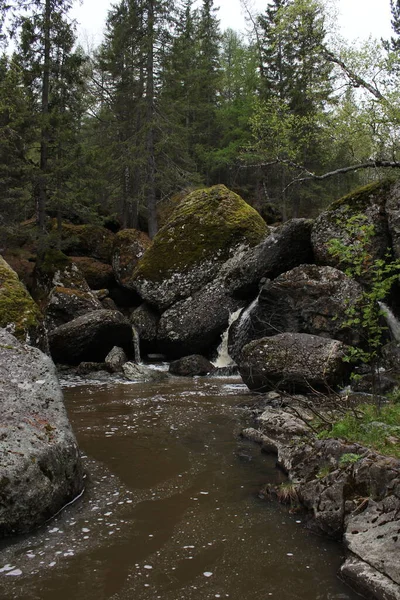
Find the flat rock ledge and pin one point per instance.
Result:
(40, 464)
(349, 492)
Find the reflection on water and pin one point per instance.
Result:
(171, 508)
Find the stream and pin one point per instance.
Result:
(171, 508)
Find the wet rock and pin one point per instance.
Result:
(369, 201)
(285, 248)
(136, 372)
(129, 247)
(145, 320)
(98, 275)
(203, 232)
(115, 359)
(293, 362)
(86, 368)
(307, 299)
(195, 324)
(40, 464)
(18, 311)
(90, 337)
(368, 581)
(190, 366)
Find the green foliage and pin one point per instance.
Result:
(348, 459)
(354, 253)
(375, 428)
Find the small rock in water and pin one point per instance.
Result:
(207, 574)
(14, 573)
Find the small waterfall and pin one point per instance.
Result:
(392, 321)
(223, 359)
(136, 345)
(246, 313)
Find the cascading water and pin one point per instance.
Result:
(136, 345)
(223, 359)
(392, 321)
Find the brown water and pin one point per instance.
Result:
(171, 508)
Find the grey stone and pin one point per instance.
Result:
(115, 359)
(90, 338)
(40, 464)
(293, 362)
(190, 366)
(135, 372)
(285, 248)
(307, 299)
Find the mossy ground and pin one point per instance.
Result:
(209, 222)
(16, 305)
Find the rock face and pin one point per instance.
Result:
(307, 299)
(129, 247)
(18, 311)
(293, 362)
(190, 366)
(369, 201)
(285, 248)
(40, 464)
(204, 231)
(90, 338)
(195, 324)
(98, 275)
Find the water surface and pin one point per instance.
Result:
(171, 508)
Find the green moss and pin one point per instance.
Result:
(208, 223)
(16, 305)
(87, 240)
(359, 199)
(51, 261)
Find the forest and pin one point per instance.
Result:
(290, 116)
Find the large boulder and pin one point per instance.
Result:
(90, 338)
(40, 464)
(98, 275)
(18, 311)
(129, 247)
(294, 362)
(285, 248)
(307, 299)
(87, 240)
(205, 230)
(68, 294)
(370, 203)
(194, 325)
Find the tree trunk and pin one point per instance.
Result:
(42, 196)
(151, 163)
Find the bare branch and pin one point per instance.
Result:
(354, 78)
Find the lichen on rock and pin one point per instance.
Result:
(205, 229)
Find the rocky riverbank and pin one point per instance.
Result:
(347, 491)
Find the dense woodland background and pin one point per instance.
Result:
(169, 102)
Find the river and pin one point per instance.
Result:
(171, 508)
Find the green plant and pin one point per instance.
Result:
(348, 459)
(355, 253)
(371, 426)
(324, 472)
(286, 493)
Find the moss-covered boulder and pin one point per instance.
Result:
(62, 290)
(98, 275)
(370, 202)
(204, 231)
(19, 313)
(87, 240)
(129, 247)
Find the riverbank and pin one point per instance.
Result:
(346, 491)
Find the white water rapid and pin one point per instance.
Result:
(223, 359)
(392, 321)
